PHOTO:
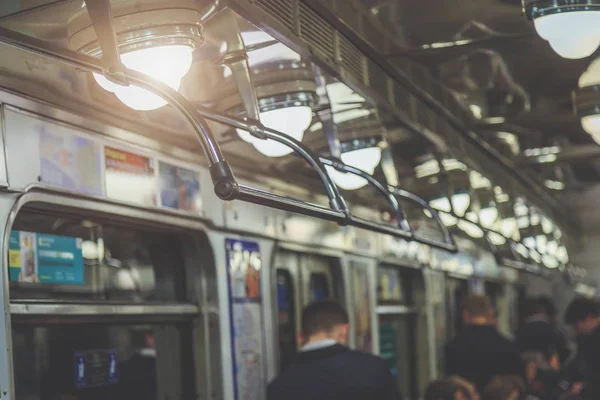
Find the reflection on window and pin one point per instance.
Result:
(286, 317)
(70, 258)
(86, 362)
(319, 287)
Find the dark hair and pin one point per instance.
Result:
(548, 305)
(477, 306)
(322, 316)
(581, 309)
(502, 387)
(443, 389)
(533, 307)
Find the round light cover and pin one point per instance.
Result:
(292, 121)
(488, 216)
(573, 34)
(461, 203)
(470, 229)
(366, 159)
(168, 64)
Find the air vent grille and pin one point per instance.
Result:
(378, 80)
(352, 59)
(402, 98)
(283, 10)
(316, 31)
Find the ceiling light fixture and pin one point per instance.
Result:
(587, 100)
(155, 42)
(284, 86)
(571, 27)
(366, 159)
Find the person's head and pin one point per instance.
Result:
(533, 307)
(583, 315)
(467, 386)
(478, 310)
(505, 387)
(549, 308)
(445, 389)
(325, 319)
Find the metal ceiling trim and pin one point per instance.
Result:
(226, 186)
(351, 58)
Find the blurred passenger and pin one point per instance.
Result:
(504, 387)
(467, 386)
(584, 316)
(479, 352)
(540, 332)
(326, 369)
(446, 389)
(542, 375)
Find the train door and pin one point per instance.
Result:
(361, 294)
(456, 292)
(288, 305)
(397, 324)
(301, 279)
(104, 305)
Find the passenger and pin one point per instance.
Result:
(504, 387)
(563, 349)
(326, 369)
(467, 386)
(584, 316)
(446, 389)
(540, 332)
(479, 352)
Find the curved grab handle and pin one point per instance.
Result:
(225, 185)
(400, 215)
(405, 194)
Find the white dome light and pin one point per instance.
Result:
(366, 160)
(496, 239)
(470, 229)
(488, 216)
(572, 35)
(168, 64)
(591, 124)
(292, 121)
(460, 203)
(591, 77)
(508, 227)
(441, 204)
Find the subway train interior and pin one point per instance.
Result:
(179, 178)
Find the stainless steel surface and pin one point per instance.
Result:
(395, 310)
(33, 308)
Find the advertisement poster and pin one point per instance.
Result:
(130, 177)
(246, 313)
(70, 162)
(389, 285)
(362, 309)
(179, 188)
(41, 258)
(96, 368)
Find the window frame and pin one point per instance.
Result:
(59, 202)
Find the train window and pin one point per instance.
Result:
(286, 317)
(67, 258)
(95, 361)
(319, 286)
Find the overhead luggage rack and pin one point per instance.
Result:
(225, 184)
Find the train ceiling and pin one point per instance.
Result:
(513, 90)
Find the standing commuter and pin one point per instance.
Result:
(479, 352)
(326, 369)
(540, 332)
(584, 316)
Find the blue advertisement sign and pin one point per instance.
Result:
(41, 258)
(96, 368)
(179, 188)
(246, 318)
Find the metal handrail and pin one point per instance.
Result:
(225, 185)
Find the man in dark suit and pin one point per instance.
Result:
(540, 332)
(479, 352)
(326, 369)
